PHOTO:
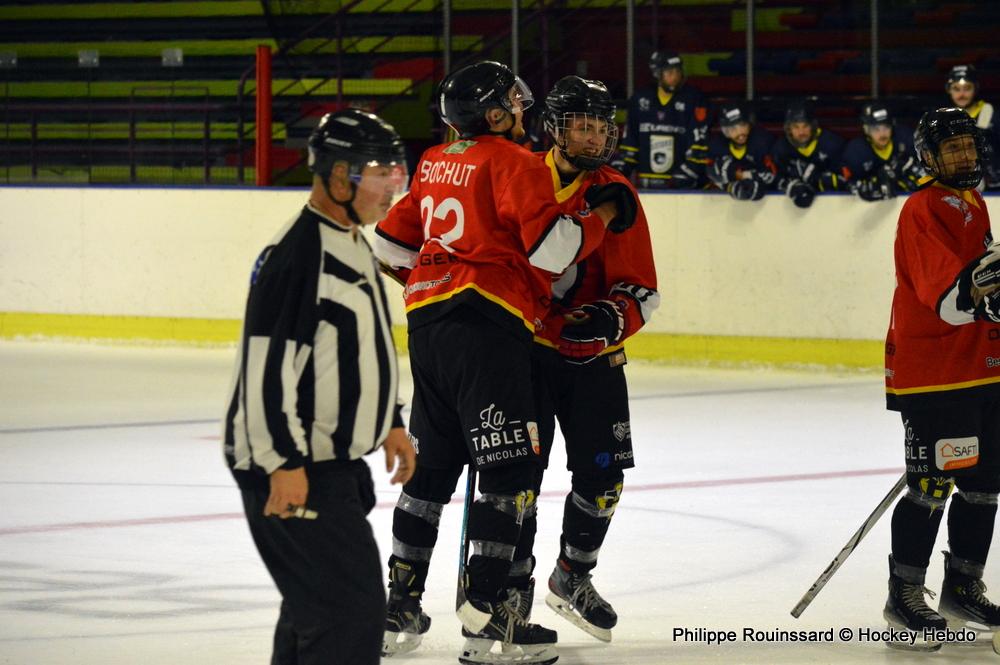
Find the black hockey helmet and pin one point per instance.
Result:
(801, 111)
(355, 137)
(465, 96)
(733, 113)
(360, 140)
(661, 60)
(962, 74)
(876, 113)
(571, 100)
(937, 126)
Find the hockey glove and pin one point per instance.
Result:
(621, 195)
(747, 189)
(979, 279)
(591, 329)
(800, 193)
(871, 189)
(724, 170)
(684, 177)
(989, 308)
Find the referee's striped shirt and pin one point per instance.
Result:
(316, 378)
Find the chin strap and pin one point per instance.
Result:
(347, 205)
(581, 162)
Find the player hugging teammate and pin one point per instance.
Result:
(478, 242)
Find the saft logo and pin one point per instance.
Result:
(957, 453)
(536, 444)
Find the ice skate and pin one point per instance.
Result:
(573, 597)
(522, 599)
(497, 634)
(906, 610)
(963, 602)
(405, 621)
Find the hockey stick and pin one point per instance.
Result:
(463, 549)
(839, 560)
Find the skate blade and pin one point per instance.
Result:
(479, 651)
(920, 647)
(566, 611)
(394, 644)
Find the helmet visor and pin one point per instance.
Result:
(377, 186)
(519, 97)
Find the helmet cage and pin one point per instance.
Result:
(563, 128)
(936, 127)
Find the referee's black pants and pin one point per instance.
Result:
(328, 570)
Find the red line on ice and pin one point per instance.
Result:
(629, 489)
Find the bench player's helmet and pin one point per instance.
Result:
(876, 113)
(734, 113)
(934, 128)
(961, 74)
(660, 60)
(580, 117)
(801, 111)
(359, 140)
(465, 96)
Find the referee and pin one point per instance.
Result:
(314, 391)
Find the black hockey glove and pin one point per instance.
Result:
(591, 329)
(621, 195)
(989, 308)
(747, 189)
(724, 170)
(871, 189)
(800, 193)
(684, 177)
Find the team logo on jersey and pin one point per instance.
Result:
(960, 205)
(622, 430)
(643, 104)
(959, 453)
(661, 153)
(603, 460)
(679, 106)
(700, 113)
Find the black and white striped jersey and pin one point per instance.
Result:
(316, 378)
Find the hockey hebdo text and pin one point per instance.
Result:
(861, 634)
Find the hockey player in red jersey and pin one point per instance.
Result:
(579, 356)
(942, 359)
(480, 232)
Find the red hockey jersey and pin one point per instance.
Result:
(481, 226)
(935, 352)
(621, 268)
